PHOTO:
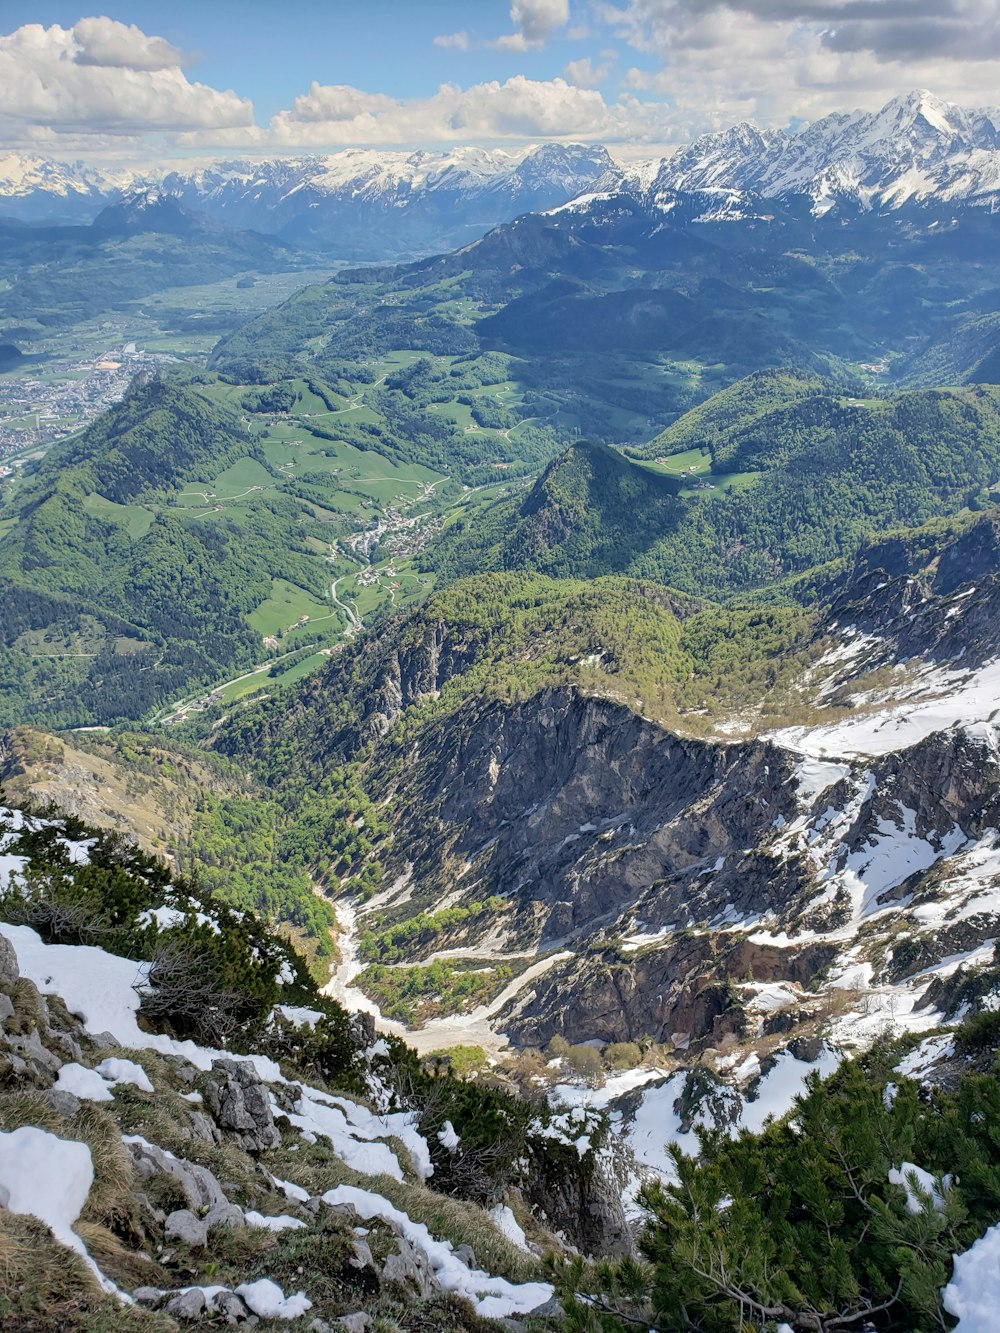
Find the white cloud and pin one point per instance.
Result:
(585, 74)
(539, 19)
(456, 41)
(772, 60)
(518, 108)
(102, 78)
(535, 21)
(113, 45)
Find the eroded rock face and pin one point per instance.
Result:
(577, 808)
(583, 1199)
(238, 1100)
(595, 824)
(680, 991)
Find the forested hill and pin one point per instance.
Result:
(764, 494)
(162, 432)
(742, 404)
(508, 636)
(591, 512)
(116, 597)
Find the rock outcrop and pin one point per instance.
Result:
(238, 1100)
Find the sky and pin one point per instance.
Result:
(149, 81)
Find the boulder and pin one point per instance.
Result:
(187, 1305)
(230, 1305)
(355, 1323)
(182, 1225)
(65, 1104)
(224, 1215)
(150, 1297)
(409, 1267)
(239, 1102)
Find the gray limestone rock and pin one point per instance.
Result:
(9, 971)
(199, 1185)
(105, 1041)
(182, 1225)
(361, 1255)
(186, 1305)
(202, 1128)
(65, 1104)
(150, 1297)
(358, 1322)
(408, 1266)
(239, 1102)
(230, 1305)
(224, 1215)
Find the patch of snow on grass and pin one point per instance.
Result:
(49, 1178)
(263, 1223)
(506, 1223)
(86, 1084)
(118, 1071)
(266, 1299)
(493, 1297)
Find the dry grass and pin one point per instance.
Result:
(47, 1288)
(111, 1200)
(127, 1267)
(37, 1274)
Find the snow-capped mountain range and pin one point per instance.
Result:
(368, 203)
(916, 149)
(362, 203)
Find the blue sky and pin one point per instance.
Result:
(271, 50)
(141, 79)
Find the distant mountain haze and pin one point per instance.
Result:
(369, 203)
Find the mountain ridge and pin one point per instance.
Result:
(915, 149)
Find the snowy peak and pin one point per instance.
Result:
(917, 147)
(24, 176)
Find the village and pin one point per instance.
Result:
(37, 409)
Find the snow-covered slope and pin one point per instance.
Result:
(366, 203)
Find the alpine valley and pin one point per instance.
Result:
(500, 738)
